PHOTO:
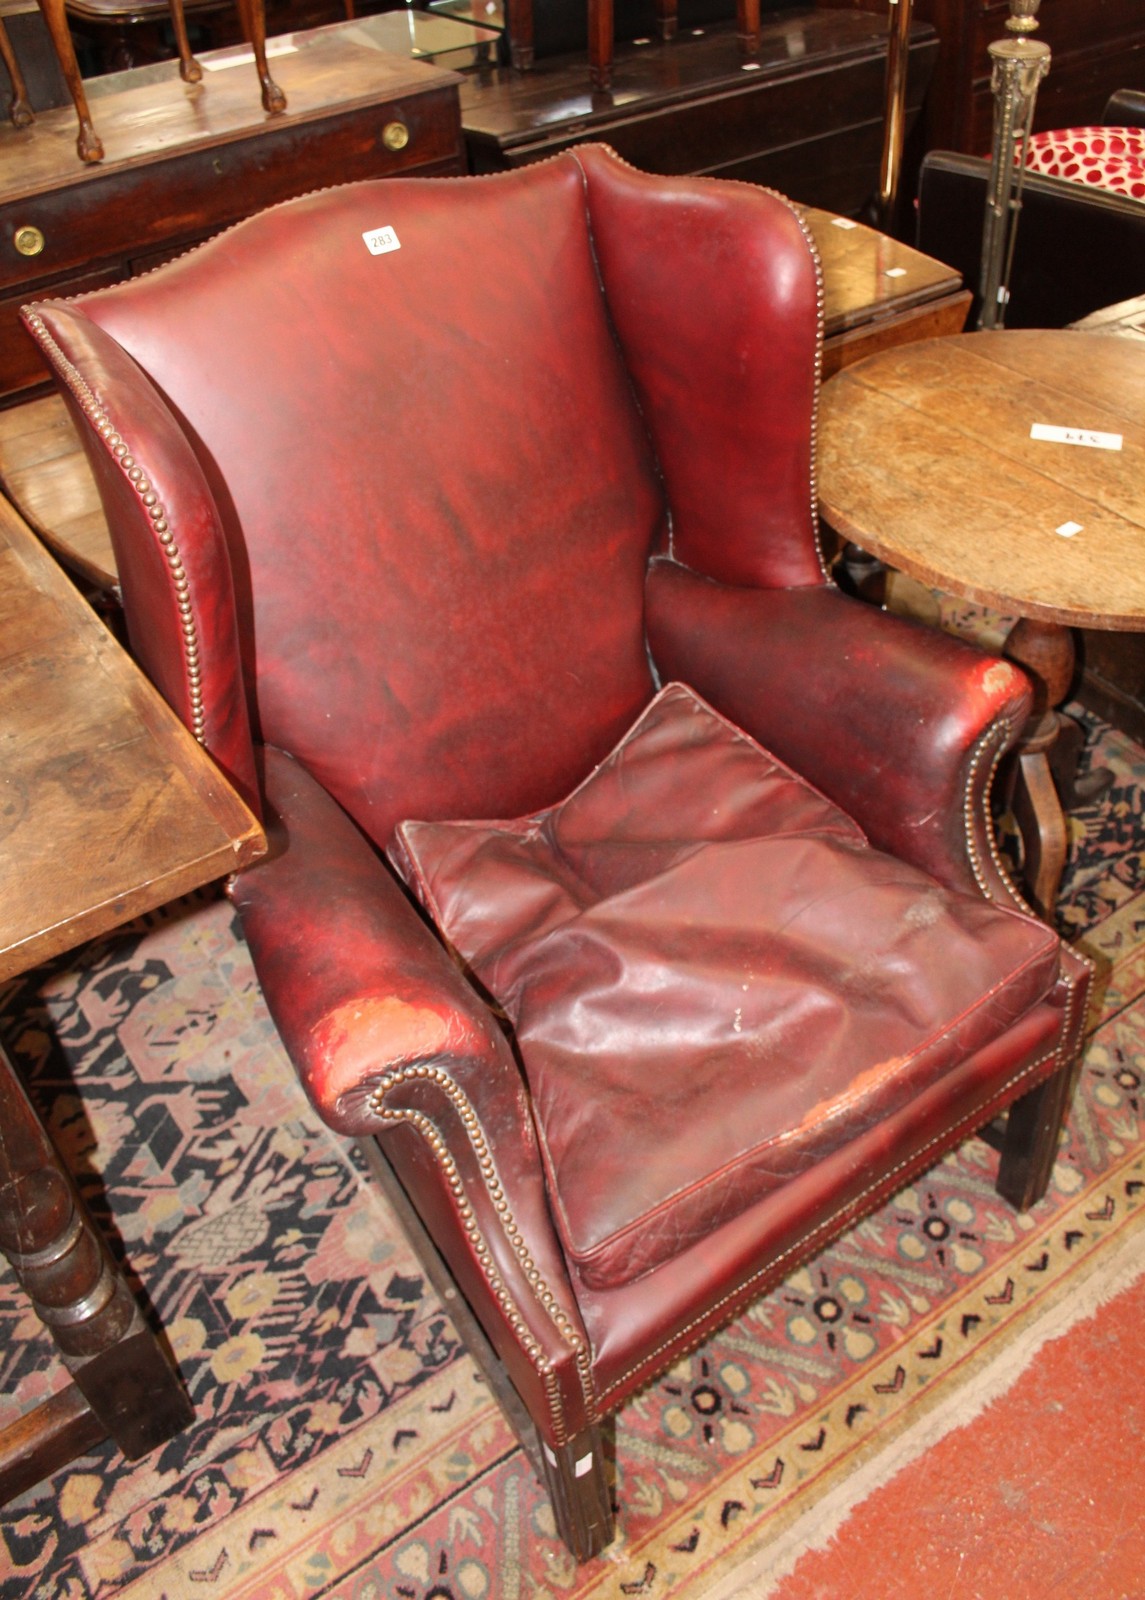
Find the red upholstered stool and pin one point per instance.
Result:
(1108, 158)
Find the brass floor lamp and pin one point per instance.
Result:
(1019, 65)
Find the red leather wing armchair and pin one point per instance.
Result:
(633, 887)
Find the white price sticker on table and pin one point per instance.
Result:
(1084, 436)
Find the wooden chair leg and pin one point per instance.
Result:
(19, 106)
(1030, 1142)
(519, 26)
(666, 19)
(189, 69)
(747, 26)
(577, 1479)
(600, 42)
(253, 16)
(88, 143)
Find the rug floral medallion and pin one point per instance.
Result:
(343, 1443)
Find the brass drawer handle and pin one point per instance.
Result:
(29, 241)
(395, 136)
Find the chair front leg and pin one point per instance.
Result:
(577, 1478)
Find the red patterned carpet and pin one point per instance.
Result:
(342, 1444)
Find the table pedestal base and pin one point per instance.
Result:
(1045, 783)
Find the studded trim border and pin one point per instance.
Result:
(695, 1332)
(975, 801)
(505, 1299)
(153, 508)
(1002, 732)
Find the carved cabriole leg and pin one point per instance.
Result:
(1038, 813)
(1030, 1143)
(600, 36)
(62, 1261)
(19, 107)
(1046, 651)
(88, 143)
(577, 1479)
(747, 26)
(189, 69)
(253, 16)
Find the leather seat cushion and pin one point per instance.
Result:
(713, 979)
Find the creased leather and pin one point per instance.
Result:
(349, 409)
(884, 715)
(714, 981)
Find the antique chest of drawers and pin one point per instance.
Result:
(186, 160)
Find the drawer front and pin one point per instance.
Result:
(20, 364)
(154, 207)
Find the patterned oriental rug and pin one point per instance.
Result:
(343, 1444)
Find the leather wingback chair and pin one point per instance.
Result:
(420, 490)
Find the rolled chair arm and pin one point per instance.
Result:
(390, 1040)
(899, 724)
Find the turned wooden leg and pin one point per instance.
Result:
(747, 26)
(577, 1479)
(127, 1386)
(519, 26)
(19, 107)
(189, 69)
(1030, 1144)
(600, 37)
(253, 16)
(88, 144)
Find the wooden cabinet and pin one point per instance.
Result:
(804, 116)
(184, 161)
(1098, 46)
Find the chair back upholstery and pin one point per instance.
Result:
(400, 412)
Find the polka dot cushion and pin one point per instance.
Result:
(1108, 158)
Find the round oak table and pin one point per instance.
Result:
(1007, 468)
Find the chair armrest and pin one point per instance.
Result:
(899, 724)
(389, 1039)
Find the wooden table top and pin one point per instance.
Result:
(44, 473)
(868, 276)
(108, 807)
(926, 460)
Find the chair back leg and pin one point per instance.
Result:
(19, 106)
(1030, 1143)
